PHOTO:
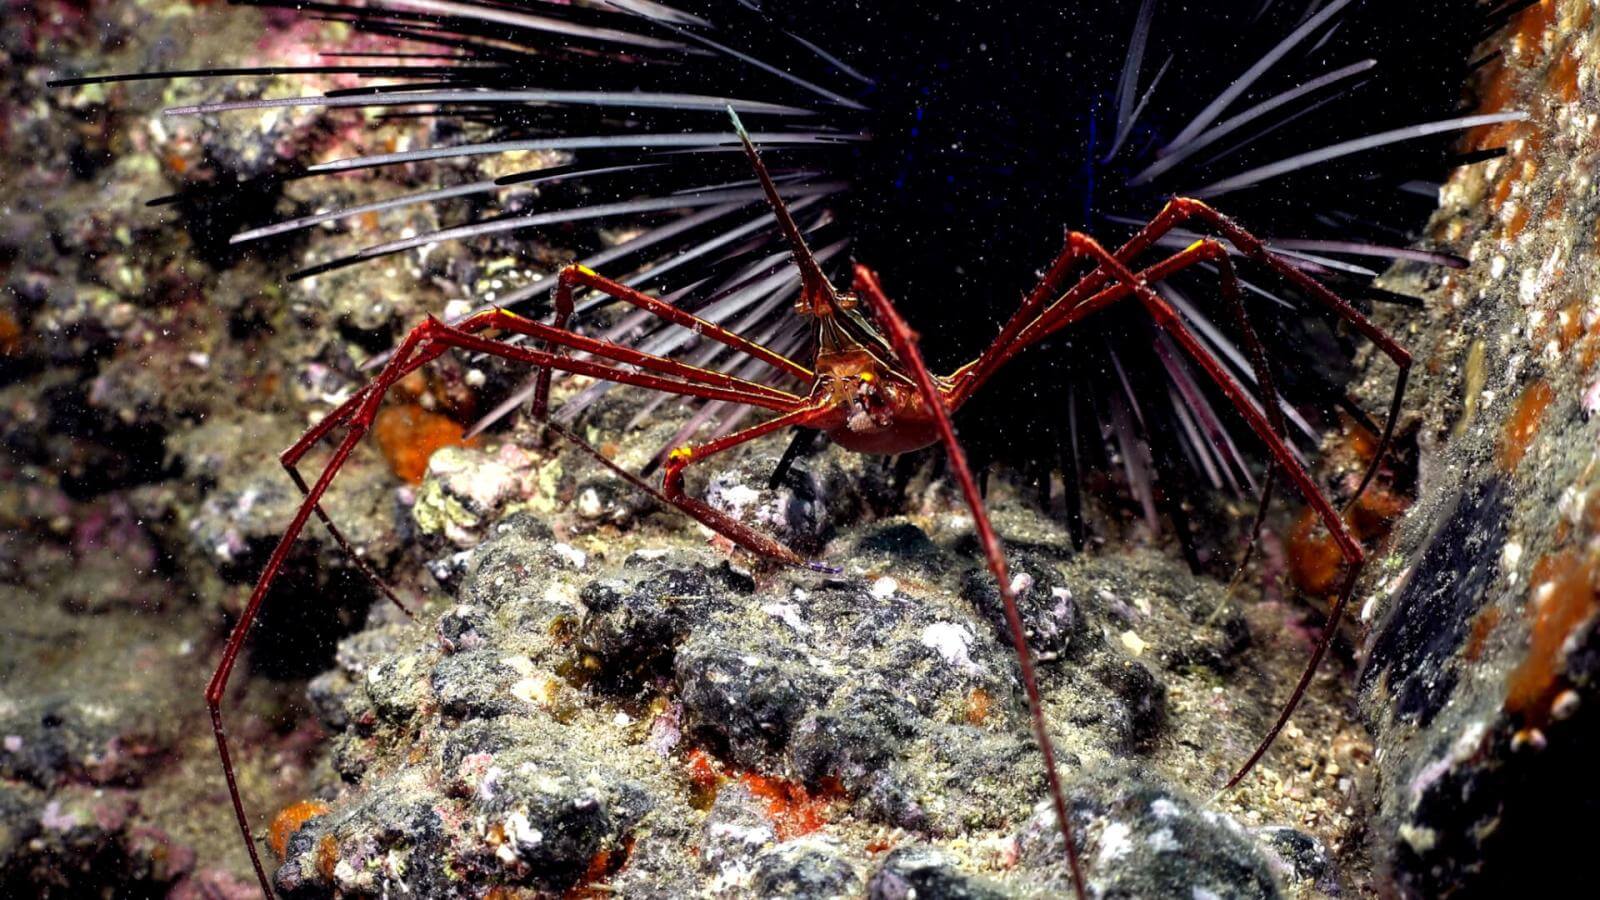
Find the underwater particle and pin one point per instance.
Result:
(288, 821)
(1561, 598)
(409, 435)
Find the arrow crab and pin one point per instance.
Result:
(867, 389)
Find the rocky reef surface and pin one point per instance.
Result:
(629, 706)
(596, 697)
(1482, 664)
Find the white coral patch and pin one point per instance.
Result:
(788, 614)
(952, 641)
(1115, 843)
(572, 555)
(519, 829)
(740, 496)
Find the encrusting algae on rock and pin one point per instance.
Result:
(1481, 683)
(410, 435)
(289, 820)
(1561, 598)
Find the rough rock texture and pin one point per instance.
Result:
(1482, 672)
(148, 377)
(623, 706)
(595, 697)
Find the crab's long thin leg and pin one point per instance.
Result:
(561, 319)
(1268, 389)
(904, 342)
(1039, 316)
(716, 519)
(973, 375)
(1169, 321)
(360, 409)
(552, 336)
(579, 275)
(1028, 326)
(1180, 210)
(1075, 307)
(349, 549)
(1214, 252)
(1035, 319)
(508, 321)
(422, 345)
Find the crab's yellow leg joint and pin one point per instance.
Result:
(681, 454)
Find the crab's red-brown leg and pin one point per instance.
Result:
(360, 560)
(973, 375)
(904, 342)
(361, 409)
(716, 519)
(423, 344)
(1030, 325)
(1233, 299)
(1169, 321)
(1181, 209)
(1039, 316)
(1052, 317)
(563, 316)
(553, 336)
(579, 275)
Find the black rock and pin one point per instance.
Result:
(746, 697)
(474, 684)
(805, 870)
(1139, 839)
(922, 873)
(1053, 622)
(1143, 699)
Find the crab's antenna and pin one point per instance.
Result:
(818, 292)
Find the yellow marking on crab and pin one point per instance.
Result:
(681, 454)
(585, 270)
(868, 377)
(1194, 246)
